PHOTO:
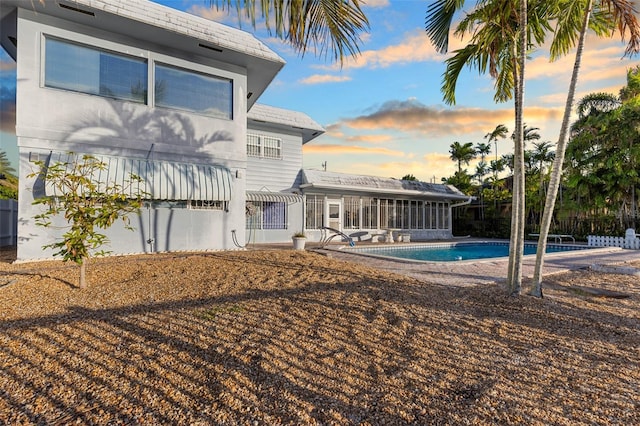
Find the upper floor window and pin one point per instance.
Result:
(190, 91)
(94, 71)
(264, 146)
(253, 145)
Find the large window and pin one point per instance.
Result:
(369, 213)
(417, 214)
(190, 91)
(267, 215)
(351, 206)
(89, 70)
(264, 146)
(314, 212)
(81, 68)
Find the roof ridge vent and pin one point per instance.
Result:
(75, 9)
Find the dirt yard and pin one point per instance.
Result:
(287, 337)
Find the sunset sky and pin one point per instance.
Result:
(383, 111)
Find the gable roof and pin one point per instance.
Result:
(161, 25)
(285, 118)
(319, 179)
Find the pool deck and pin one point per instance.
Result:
(483, 271)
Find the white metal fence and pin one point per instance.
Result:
(8, 223)
(629, 241)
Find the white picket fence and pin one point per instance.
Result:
(8, 223)
(629, 241)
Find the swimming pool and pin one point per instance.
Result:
(451, 252)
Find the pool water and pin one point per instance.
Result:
(458, 251)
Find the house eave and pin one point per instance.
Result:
(405, 192)
(162, 26)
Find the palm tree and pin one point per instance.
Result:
(462, 153)
(499, 132)
(632, 89)
(6, 170)
(541, 156)
(327, 27)
(596, 103)
(616, 13)
(499, 40)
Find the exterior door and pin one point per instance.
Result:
(334, 219)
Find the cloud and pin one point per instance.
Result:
(324, 78)
(373, 139)
(430, 168)
(8, 117)
(8, 109)
(375, 3)
(8, 65)
(415, 117)
(331, 149)
(416, 47)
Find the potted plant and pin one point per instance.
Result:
(299, 240)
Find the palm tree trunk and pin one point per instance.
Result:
(556, 172)
(516, 242)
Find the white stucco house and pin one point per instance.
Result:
(172, 98)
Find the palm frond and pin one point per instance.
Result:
(438, 22)
(327, 27)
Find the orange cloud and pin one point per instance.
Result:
(412, 116)
(343, 149)
(370, 138)
(8, 65)
(324, 78)
(415, 48)
(432, 169)
(8, 117)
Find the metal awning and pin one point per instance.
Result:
(161, 180)
(278, 197)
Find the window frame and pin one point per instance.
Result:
(108, 50)
(149, 57)
(259, 149)
(262, 219)
(193, 72)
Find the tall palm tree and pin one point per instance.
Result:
(501, 132)
(616, 13)
(327, 27)
(483, 149)
(462, 153)
(499, 41)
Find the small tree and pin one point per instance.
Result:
(87, 205)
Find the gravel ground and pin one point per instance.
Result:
(288, 337)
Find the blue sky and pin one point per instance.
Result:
(383, 111)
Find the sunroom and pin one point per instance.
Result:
(373, 208)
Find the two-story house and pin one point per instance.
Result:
(170, 97)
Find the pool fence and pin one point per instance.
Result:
(631, 240)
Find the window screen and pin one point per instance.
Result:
(190, 91)
(84, 69)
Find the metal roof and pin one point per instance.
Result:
(280, 117)
(161, 180)
(318, 179)
(160, 25)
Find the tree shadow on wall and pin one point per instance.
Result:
(145, 135)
